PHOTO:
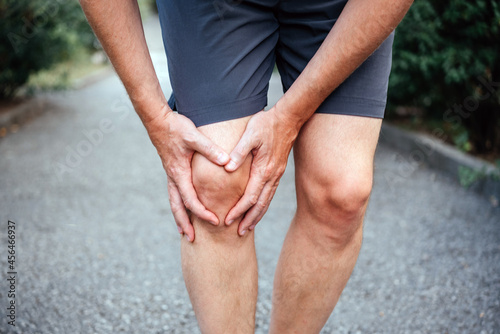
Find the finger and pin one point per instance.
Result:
(179, 211)
(191, 201)
(240, 152)
(208, 149)
(255, 214)
(250, 197)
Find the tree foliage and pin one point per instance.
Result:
(35, 35)
(446, 61)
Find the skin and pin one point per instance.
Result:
(324, 239)
(222, 303)
(118, 26)
(362, 26)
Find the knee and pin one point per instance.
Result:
(217, 189)
(347, 197)
(336, 203)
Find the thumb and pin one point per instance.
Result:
(209, 150)
(246, 144)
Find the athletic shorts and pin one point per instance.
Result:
(221, 54)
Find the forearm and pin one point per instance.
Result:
(362, 26)
(118, 26)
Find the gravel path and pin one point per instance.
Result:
(98, 252)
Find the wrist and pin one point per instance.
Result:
(287, 113)
(148, 101)
(156, 119)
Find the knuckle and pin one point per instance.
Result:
(189, 138)
(281, 170)
(170, 169)
(253, 199)
(261, 205)
(187, 204)
(269, 171)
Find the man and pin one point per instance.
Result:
(224, 156)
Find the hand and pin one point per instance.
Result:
(270, 140)
(176, 139)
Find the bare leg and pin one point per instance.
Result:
(220, 267)
(334, 166)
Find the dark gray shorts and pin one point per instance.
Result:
(221, 54)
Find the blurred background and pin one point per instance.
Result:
(444, 54)
(97, 244)
(47, 45)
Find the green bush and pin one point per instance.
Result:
(148, 6)
(35, 35)
(446, 60)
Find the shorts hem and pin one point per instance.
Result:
(354, 107)
(226, 111)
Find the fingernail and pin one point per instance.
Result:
(215, 222)
(179, 229)
(222, 157)
(231, 165)
(188, 239)
(230, 222)
(251, 227)
(243, 232)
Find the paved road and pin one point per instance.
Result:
(98, 251)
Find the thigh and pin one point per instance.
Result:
(334, 160)
(304, 26)
(220, 56)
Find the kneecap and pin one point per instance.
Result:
(217, 189)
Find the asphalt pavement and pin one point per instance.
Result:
(97, 250)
